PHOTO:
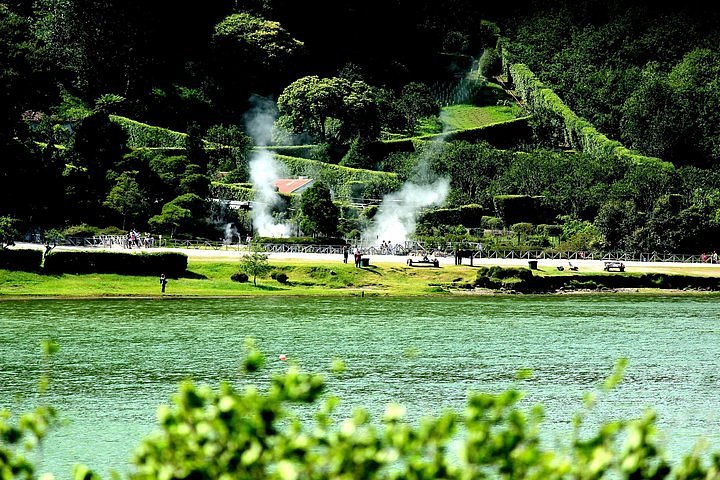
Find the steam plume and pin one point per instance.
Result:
(263, 174)
(230, 233)
(397, 216)
(264, 169)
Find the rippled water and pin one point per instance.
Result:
(120, 359)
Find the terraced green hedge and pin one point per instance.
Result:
(166, 151)
(500, 135)
(231, 191)
(575, 131)
(144, 135)
(301, 151)
(340, 179)
(238, 191)
(469, 216)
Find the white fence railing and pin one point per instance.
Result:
(410, 248)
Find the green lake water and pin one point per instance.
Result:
(120, 359)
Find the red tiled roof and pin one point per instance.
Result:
(290, 185)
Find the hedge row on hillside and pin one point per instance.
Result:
(576, 132)
(231, 191)
(339, 178)
(143, 135)
(164, 151)
(469, 216)
(20, 259)
(240, 192)
(301, 151)
(501, 135)
(170, 263)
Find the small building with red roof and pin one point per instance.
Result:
(293, 185)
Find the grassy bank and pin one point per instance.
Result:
(463, 117)
(211, 277)
(548, 280)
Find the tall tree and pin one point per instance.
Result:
(15, 72)
(94, 42)
(127, 198)
(96, 149)
(330, 108)
(255, 263)
(472, 168)
(8, 232)
(319, 214)
(652, 122)
(696, 83)
(250, 55)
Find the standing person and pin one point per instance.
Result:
(358, 255)
(163, 282)
(345, 254)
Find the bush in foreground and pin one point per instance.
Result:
(254, 433)
(21, 259)
(239, 277)
(281, 277)
(172, 264)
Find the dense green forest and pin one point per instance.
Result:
(121, 115)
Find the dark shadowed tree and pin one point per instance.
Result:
(250, 54)
(319, 214)
(97, 147)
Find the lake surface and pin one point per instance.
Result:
(120, 359)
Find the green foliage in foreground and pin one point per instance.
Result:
(19, 437)
(255, 433)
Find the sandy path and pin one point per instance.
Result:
(233, 254)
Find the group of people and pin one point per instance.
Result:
(357, 254)
(136, 239)
(386, 248)
(712, 257)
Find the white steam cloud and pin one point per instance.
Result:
(264, 169)
(397, 216)
(396, 219)
(263, 174)
(260, 119)
(230, 233)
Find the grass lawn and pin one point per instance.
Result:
(670, 269)
(212, 278)
(463, 117)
